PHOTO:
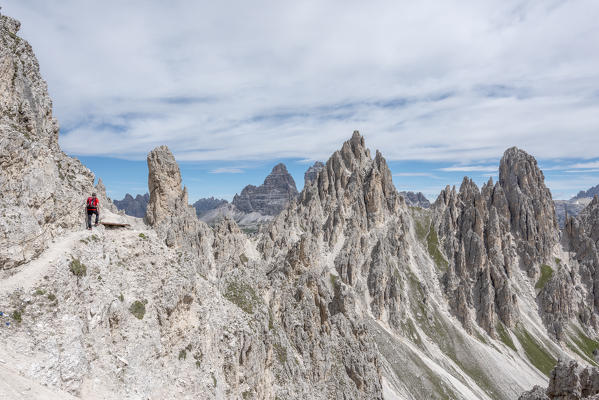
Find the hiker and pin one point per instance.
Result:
(92, 208)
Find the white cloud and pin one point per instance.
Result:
(417, 174)
(226, 170)
(471, 168)
(458, 81)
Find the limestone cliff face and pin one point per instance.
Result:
(572, 293)
(568, 381)
(269, 198)
(532, 213)
(42, 191)
(416, 199)
(311, 173)
(489, 234)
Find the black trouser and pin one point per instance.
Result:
(89, 217)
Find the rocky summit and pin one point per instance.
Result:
(416, 199)
(269, 198)
(136, 207)
(347, 293)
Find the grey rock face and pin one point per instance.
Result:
(592, 192)
(42, 191)
(532, 213)
(474, 228)
(205, 205)
(135, 207)
(568, 381)
(311, 173)
(480, 231)
(271, 197)
(574, 292)
(536, 393)
(416, 199)
(570, 208)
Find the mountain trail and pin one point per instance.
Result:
(31, 272)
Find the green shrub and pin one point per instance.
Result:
(242, 295)
(546, 273)
(17, 315)
(78, 268)
(51, 297)
(141, 235)
(281, 353)
(243, 258)
(182, 354)
(40, 292)
(138, 309)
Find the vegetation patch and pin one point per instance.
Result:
(242, 295)
(538, 356)
(243, 258)
(40, 292)
(505, 336)
(17, 315)
(138, 308)
(585, 343)
(280, 352)
(432, 242)
(141, 235)
(78, 268)
(51, 297)
(333, 279)
(546, 273)
(182, 354)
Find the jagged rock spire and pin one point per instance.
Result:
(164, 184)
(532, 212)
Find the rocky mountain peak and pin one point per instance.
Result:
(532, 212)
(270, 197)
(164, 184)
(312, 173)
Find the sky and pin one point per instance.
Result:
(442, 89)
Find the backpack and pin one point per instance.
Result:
(92, 204)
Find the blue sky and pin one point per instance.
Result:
(441, 88)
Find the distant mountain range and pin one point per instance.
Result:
(255, 205)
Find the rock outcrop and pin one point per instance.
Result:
(572, 294)
(311, 173)
(135, 207)
(416, 199)
(568, 381)
(532, 213)
(42, 191)
(570, 208)
(205, 205)
(592, 192)
(271, 197)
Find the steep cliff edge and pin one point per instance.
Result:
(42, 191)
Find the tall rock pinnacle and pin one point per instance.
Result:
(532, 212)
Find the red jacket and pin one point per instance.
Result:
(92, 204)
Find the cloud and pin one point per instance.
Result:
(581, 171)
(226, 170)
(452, 81)
(416, 174)
(593, 164)
(470, 168)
